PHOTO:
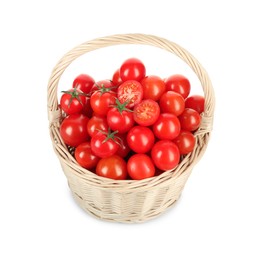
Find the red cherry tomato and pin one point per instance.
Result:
(124, 149)
(72, 101)
(165, 155)
(179, 84)
(130, 91)
(101, 101)
(84, 82)
(73, 129)
(97, 123)
(185, 142)
(132, 69)
(104, 144)
(153, 87)
(190, 120)
(85, 157)
(167, 126)
(140, 139)
(195, 102)
(140, 166)
(146, 112)
(113, 167)
(119, 119)
(172, 102)
(116, 79)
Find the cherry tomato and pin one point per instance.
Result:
(153, 87)
(140, 166)
(165, 155)
(116, 79)
(167, 126)
(172, 102)
(113, 167)
(190, 120)
(140, 139)
(119, 118)
(124, 149)
(185, 142)
(85, 157)
(101, 100)
(179, 84)
(97, 123)
(104, 144)
(132, 69)
(73, 129)
(195, 102)
(84, 83)
(130, 91)
(146, 112)
(72, 101)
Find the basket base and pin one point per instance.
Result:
(91, 210)
(125, 205)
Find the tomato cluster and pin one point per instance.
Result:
(134, 126)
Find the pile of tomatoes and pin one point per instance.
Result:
(133, 126)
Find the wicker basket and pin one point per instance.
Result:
(128, 200)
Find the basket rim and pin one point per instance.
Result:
(54, 113)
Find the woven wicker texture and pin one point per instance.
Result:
(129, 200)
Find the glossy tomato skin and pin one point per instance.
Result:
(172, 102)
(73, 129)
(113, 167)
(146, 112)
(97, 123)
(195, 102)
(153, 87)
(185, 142)
(120, 121)
(166, 127)
(101, 102)
(179, 84)
(140, 139)
(130, 91)
(165, 155)
(132, 69)
(190, 120)
(85, 157)
(84, 83)
(140, 166)
(101, 147)
(116, 79)
(72, 105)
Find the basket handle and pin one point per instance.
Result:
(54, 112)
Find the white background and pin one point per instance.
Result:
(39, 219)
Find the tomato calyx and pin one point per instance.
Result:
(74, 94)
(122, 106)
(111, 135)
(103, 89)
